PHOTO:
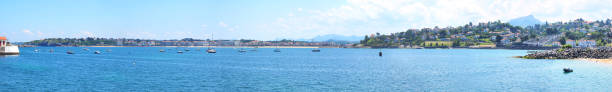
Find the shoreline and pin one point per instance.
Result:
(607, 61)
(293, 47)
(212, 46)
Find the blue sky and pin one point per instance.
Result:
(25, 20)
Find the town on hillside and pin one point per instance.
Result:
(91, 41)
(497, 34)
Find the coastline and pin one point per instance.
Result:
(217, 46)
(607, 61)
(304, 47)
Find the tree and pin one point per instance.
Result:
(551, 31)
(443, 34)
(562, 40)
(498, 38)
(456, 43)
(365, 40)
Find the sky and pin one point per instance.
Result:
(26, 20)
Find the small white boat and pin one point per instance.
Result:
(162, 50)
(179, 51)
(211, 51)
(35, 50)
(97, 52)
(241, 50)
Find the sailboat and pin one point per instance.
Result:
(241, 48)
(277, 49)
(211, 50)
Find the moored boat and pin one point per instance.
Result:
(241, 50)
(316, 50)
(567, 70)
(211, 51)
(6, 48)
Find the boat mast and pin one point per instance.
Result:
(211, 39)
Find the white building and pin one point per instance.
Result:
(6, 48)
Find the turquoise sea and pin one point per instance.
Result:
(294, 69)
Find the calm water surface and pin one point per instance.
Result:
(332, 69)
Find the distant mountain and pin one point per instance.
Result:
(335, 37)
(525, 21)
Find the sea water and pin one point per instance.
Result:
(293, 69)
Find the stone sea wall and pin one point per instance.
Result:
(571, 53)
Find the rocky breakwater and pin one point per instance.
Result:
(571, 53)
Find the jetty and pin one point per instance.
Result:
(572, 53)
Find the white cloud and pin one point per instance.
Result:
(290, 15)
(222, 24)
(27, 31)
(204, 27)
(360, 17)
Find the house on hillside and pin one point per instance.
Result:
(581, 43)
(587, 43)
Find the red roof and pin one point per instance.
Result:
(2, 38)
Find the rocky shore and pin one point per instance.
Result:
(572, 53)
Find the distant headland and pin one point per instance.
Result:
(186, 42)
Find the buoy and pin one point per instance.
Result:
(380, 53)
(567, 70)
